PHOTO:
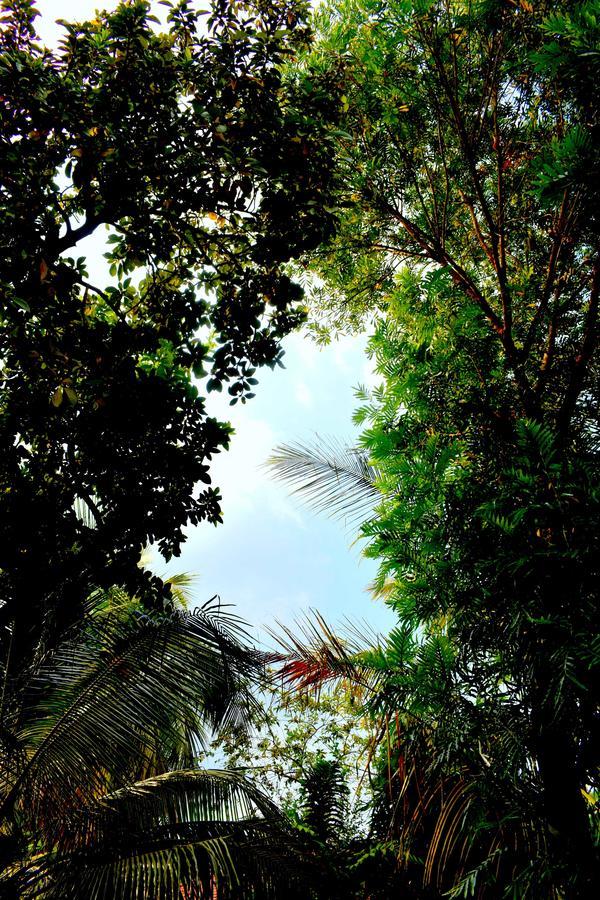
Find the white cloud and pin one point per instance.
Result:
(303, 348)
(240, 473)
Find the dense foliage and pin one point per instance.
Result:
(209, 175)
(469, 232)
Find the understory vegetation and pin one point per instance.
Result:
(426, 172)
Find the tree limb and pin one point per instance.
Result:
(583, 357)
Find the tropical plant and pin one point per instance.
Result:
(456, 785)
(468, 229)
(329, 476)
(311, 752)
(322, 819)
(202, 170)
(324, 805)
(441, 822)
(101, 793)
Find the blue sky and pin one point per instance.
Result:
(272, 558)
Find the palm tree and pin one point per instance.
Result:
(100, 792)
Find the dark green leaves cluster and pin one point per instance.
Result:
(189, 149)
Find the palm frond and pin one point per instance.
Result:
(312, 655)
(120, 697)
(86, 510)
(199, 795)
(181, 585)
(329, 477)
(179, 834)
(125, 692)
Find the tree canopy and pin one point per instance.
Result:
(467, 164)
(435, 166)
(209, 174)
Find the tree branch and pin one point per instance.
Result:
(476, 226)
(583, 357)
(74, 235)
(501, 237)
(467, 149)
(557, 242)
(440, 255)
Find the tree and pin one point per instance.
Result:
(101, 792)
(468, 227)
(437, 827)
(209, 174)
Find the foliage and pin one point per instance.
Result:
(292, 732)
(209, 174)
(311, 753)
(440, 817)
(324, 806)
(101, 793)
(468, 203)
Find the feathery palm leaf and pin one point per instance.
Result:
(89, 806)
(123, 694)
(328, 476)
(312, 654)
(181, 586)
(182, 831)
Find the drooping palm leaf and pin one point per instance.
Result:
(311, 655)
(328, 476)
(125, 692)
(181, 586)
(170, 836)
(223, 795)
(88, 806)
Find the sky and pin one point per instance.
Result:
(272, 558)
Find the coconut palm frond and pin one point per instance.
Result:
(126, 691)
(163, 870)
(176, 835)
(182, 585)
(131, 693)
(312, 654)
(87, 511)
(329, 477)
(201, 795)
(466, 839)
